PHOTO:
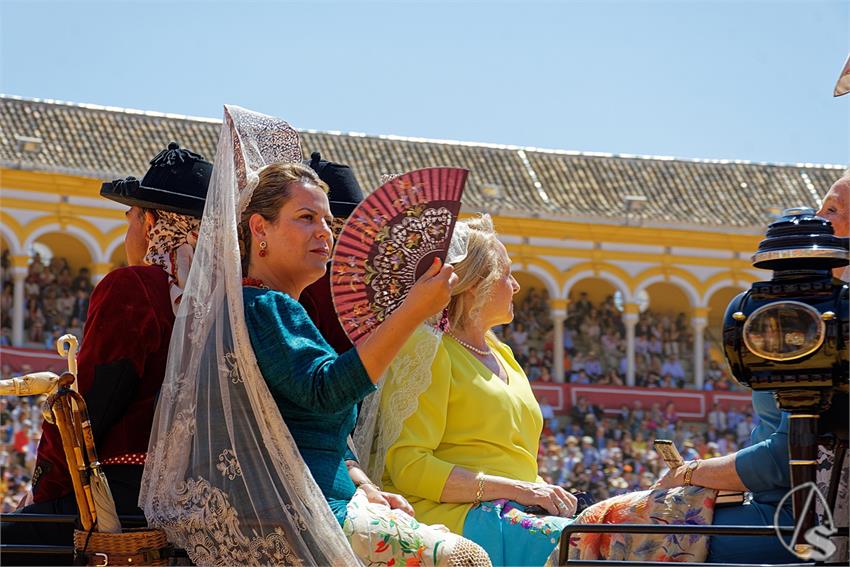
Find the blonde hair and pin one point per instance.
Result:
(272, 192)
(481, 268)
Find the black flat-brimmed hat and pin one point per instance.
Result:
(177, 181)
(345, 193)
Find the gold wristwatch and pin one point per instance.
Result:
(689, 472)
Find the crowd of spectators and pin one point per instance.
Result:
(601, 453)
(20, 428)
(595, 345)
(56, 301)
(531, 335)
(606, 454)
(589, 450)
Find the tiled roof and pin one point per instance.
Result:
(108, 143)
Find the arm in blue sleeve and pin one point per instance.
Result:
(297, 362)
(764, 466)
(769, 414)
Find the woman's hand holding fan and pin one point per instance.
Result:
(431, 292)
(397, 235)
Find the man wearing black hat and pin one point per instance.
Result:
(125, 342)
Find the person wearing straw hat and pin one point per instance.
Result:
(125, 342)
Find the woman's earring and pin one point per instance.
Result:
(263, 246)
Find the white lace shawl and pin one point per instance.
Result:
(223, 476)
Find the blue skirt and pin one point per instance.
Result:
(512, 537)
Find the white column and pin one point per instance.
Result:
(20, 269)
(559, 315)
(699, 322)
(630, 318)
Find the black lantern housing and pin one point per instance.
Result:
(789, 335)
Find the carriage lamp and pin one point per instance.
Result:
(789, 335)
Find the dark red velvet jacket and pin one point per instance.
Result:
(121, 366)
(318, 302)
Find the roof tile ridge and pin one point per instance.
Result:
(112, 109)
(394, 137)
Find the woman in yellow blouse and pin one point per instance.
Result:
(467, 456)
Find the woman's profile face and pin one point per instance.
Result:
(299, 242)
(499, 308)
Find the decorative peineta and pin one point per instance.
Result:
(281, 144)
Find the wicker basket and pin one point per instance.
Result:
(142, 546)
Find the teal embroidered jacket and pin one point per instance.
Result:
(315, 389)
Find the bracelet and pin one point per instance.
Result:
(367, 483)
(480, 494)
(689, 472)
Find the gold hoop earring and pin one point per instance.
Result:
(263, 246)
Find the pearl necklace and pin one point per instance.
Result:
(478, 351)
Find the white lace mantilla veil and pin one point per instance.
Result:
(223, 475)
(384, 412)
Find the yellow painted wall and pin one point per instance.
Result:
(119, 257)
(526, 281)
(665, 297)
(668, 298)
(717, 304)
(597, 290)
(68, 246)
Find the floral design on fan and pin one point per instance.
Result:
(228, 465)
(393, 268)
(387, 241)
(347, 271)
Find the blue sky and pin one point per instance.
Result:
(731, 80)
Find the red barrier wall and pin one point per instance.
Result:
(690, 404)
(38, 360)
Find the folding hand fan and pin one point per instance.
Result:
(391, 239)
(842, 87)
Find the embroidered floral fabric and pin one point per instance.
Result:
(688, 505)
(172, 244)
(380, 536)
(510, 535)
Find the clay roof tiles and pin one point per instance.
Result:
(107, 143)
